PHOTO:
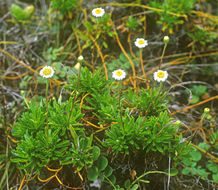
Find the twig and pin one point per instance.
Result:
(189, 107)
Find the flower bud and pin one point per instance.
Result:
(206, 110)
(80, 58)
(22, 92)
(166, 39)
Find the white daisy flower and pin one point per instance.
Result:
(166, 39)
(160, 75)
(80, 58)
(141, 43)
(119, 74)
(47, 72)
(98, 12)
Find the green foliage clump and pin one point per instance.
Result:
(34, 152)
(132, 23)
(198, 91)
(151, 133)
(81, 153)
(64, 6)
(89, 82)
(32, 121)
(160, 134)
(42, 142)
(21, 14)
(100, 102)
(194, 166)
(151, 100)
(100, 169)
(125, 135)
(122, 62)
(174, 6)
(104, 106)
(99, 27)
(201, 36)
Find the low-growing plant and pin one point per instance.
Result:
(42, 140)
(201, 36)
(89, 82)
(100, 28)
(100, 169)
(52, 54)
(121, 62)
(64, 7)
(82, 153)
(150, 134)
(100, 102)
(198, 92)
(150, 101)
(22, 14)
(132, 23)
(103, 106)
(194, 166)
(174, 6)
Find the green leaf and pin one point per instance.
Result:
(108, 171)
(134, 187)
(92, 173)
(95, 152)
(204, 146)
(102, 163)
(73, 134)
(21, 14)
(127, 183)
(186, 171)
(101, 176)
(90, 141)
(160, 149)
(88, 26)
(202, 172)
(196, 156)
(173, 171)
(215, 177)
(105, 44)
(212, 167)
(18, 160)
(144, 181)
(112, 178)
(194, 99)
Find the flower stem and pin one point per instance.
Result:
(141, 62)
(46, 96)
(110, 182)
(75, 93)
(120, 105)
(24, 98)
(161, 59)
(150, 172)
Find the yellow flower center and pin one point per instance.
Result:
(98, 11)
(47, 71)
(119, 73)
(160, 74)
(140, 42)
